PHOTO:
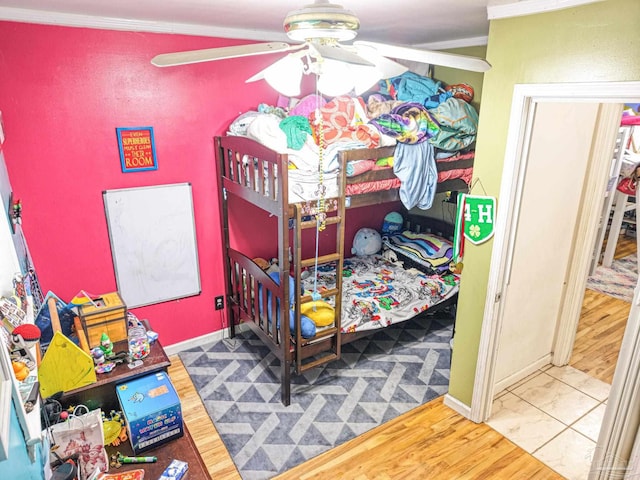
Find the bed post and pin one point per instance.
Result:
(285, 381)
(224, 220)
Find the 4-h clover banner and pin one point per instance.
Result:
(474, 220)
(479, 216)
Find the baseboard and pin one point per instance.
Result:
(456, 405)
(519, 375)
(176, 348)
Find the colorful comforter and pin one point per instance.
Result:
(377, 293)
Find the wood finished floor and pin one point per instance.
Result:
(431, 441)
(602, 323)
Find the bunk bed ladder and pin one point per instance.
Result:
(326, 345)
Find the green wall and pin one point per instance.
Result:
(441, 209)
(599, 42)
(451, 76)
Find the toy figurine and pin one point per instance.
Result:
(106, 345)
(98, 355)
(16, 216)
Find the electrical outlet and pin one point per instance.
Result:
(219, 302)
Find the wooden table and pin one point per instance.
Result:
(102, 394)
(180, 449)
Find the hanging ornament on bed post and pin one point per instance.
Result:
(321, 215)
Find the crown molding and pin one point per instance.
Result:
(460, 43)
(111, 23)
(530, 7)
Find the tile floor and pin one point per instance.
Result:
(555, 415)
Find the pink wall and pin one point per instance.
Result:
(63, 92)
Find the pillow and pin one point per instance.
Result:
(424, 249)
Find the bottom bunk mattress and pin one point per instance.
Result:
(377, 293)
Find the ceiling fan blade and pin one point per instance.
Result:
(463, 62)
(341, 54)
(387, 68)
(221, 53)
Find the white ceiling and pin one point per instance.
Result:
(409, 22)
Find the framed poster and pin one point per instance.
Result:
(137, 149)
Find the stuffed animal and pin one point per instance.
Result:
(366, 242)
(392, 223)
(390, 256)
(307, 327)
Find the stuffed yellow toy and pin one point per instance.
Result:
(20, 370)
(319, 311)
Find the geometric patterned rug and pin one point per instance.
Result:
(617, 281)
(377, 378)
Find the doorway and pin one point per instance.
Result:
(616, 437)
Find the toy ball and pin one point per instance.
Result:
(392, 223)
(463, 91)
(366, 242)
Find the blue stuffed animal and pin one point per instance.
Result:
(366, 242)
(307, 327)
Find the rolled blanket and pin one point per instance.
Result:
(356, 167)
(408, 123)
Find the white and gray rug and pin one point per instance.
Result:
(377, 379)
(619, 280)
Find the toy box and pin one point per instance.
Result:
(152, 410)
(107, 314)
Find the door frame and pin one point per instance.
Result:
(626, 383)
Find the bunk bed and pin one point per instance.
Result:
(253, 172)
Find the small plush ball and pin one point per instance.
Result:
(28, 332)
(463, 91)
(392, 223)
(366, 242)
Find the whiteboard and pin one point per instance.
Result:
(153, 243)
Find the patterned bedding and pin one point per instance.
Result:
(378, 293)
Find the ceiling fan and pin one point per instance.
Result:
(321, 28)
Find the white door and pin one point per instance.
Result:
(556, 166)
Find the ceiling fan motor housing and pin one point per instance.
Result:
(321, 20)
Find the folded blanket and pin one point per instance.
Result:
(358, 167)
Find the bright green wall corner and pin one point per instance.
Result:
(451, 76)
(598, 42)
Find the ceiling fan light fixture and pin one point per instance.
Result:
(321, 20)
(284, 76)
(335, 78)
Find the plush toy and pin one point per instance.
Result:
(20, 370)
(390, 256)
(366, 242)
(307, 327)
(273, 267)
(392, 223)
(319, 311)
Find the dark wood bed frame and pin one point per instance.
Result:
(248, 287)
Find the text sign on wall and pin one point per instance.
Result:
(137, 149)
(479, 215)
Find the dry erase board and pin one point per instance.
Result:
(153, 243)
